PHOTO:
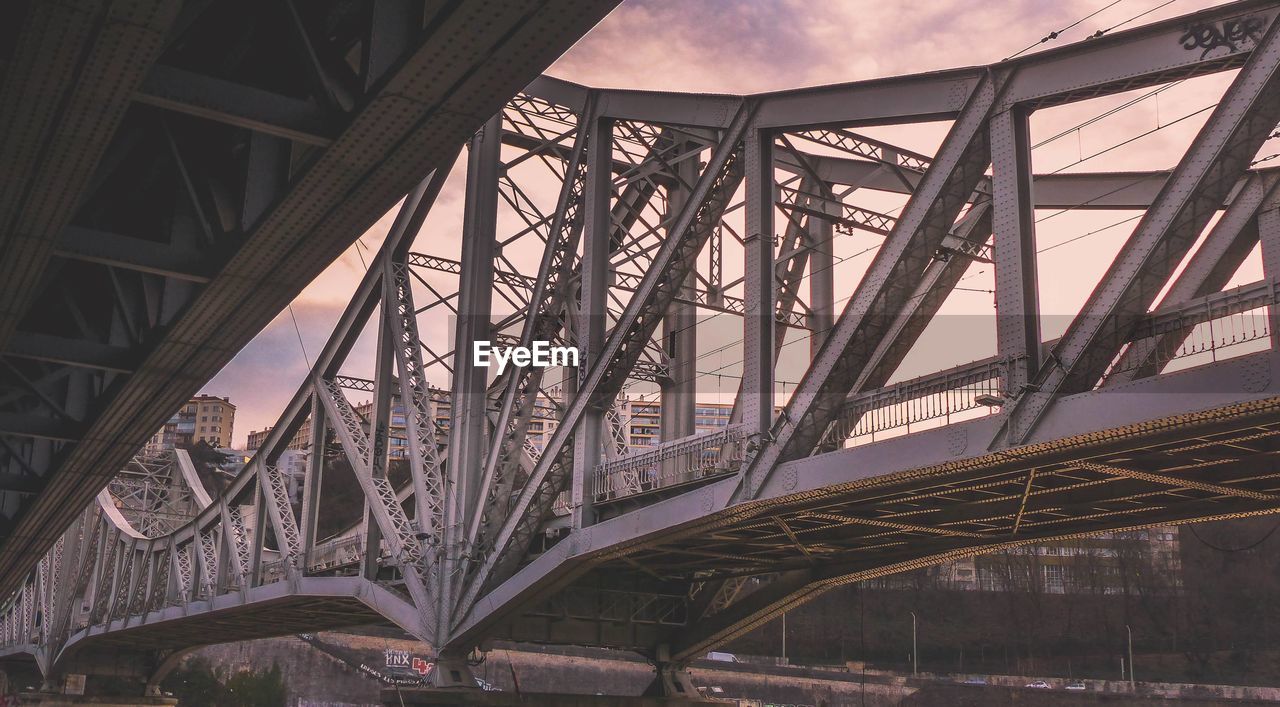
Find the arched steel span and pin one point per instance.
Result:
(671, 549)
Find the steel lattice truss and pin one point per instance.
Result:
(525, 512)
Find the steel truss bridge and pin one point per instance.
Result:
(1159, 404)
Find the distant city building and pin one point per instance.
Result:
(204, 418)
(639, 420)
(301, 439)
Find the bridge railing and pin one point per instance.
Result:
(1219, 325)
(334, 554)
(668, 464)
(936, 397)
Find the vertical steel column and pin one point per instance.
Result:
(592, 312)
(468, 421)
(383, 383)
(1269, 237)
(369, 555)
(679, 333)
(822, 298)
(1013, 223)
(258, 536)
(758, 320)
(314, 481)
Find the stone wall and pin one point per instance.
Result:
(316, 679)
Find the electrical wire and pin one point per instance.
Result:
(1107, 113)
(1090, 233)
(1101, 32)
(298, 331)
(1056, 33)
(1139, 136)
(359, 248)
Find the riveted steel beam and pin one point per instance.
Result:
(1222, 150)
(621, 350)
(889, 281)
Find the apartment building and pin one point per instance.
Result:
(204, 418)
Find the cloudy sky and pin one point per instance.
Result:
(759, 45)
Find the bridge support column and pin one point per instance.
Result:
(671, 678)
(679, 339)
(758, 326)
(453, 673)
(162, 670)
(67, 690)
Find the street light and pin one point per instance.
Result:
(915, 659)
(1132, 684)
(784, 638)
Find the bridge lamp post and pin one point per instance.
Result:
(915, 658)
(1132, 684)
(784, 638)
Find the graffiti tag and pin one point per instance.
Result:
(402, 660)
(1227, 33)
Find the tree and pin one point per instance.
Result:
(198, 684)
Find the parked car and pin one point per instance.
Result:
(722, 657)
(1077, 686)
(975, 681)
(1039, 685)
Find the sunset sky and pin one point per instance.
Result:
(761, 45)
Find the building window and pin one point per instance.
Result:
(1054, 579)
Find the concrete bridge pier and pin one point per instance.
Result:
(134, 677)
(671, 678)
(67, 689)
(453, 674)
(57, 699)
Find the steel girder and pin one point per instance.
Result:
(621, 350)
(543, 321)
(884, 290)
(900, 467)
(1224, 148)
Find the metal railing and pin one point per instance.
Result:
(334, 553)
(668, 464)
(560, 507)
(936, 396)
(1206, 327)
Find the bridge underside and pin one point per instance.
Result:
(320, 604)
(907, 503)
